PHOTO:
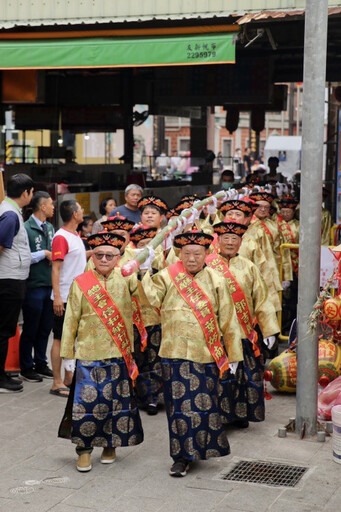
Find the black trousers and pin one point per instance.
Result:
(12, 293)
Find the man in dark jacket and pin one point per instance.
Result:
(37, 307)
(14, 267)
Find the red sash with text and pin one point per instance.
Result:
(215, 243)
(238, 297)
(109, 314)
(265, 227)
(199, 303)
(289, 238)
(137, 319)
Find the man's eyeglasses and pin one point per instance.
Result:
(109, 257)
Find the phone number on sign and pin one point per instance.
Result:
(200, 55)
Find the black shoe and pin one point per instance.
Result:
(12, 380)
(151, 409)
(8, 386)
(179, 468)
(44, 371)
(241, 424)
(31, 375)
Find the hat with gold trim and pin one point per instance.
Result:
(117, 222)
(105, 238)
(251, 202)
(236, 204)
(141, 232)
(154, 201)
(171, 213)
(193, 238)
(186, 201)
(262, 196)
(287, 202)
(230, 228)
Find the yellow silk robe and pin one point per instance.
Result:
(256, 247)
(274, 239)
(286, 259)
(93, 340)
(150, 316)
(256, 294)
(182, 335)
(326, 224)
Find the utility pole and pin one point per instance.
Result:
(314, 75)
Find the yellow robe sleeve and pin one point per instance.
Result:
(262, 306)
(228, 323)
(326, 224)
(71, 322)
(154, 289)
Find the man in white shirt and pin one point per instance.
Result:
(68, 262)
(175, 162)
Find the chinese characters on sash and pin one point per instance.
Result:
(109, 314)
(194, 296)
(238, 297)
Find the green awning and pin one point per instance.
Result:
(118, 52)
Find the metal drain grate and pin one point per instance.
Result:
(269, 473)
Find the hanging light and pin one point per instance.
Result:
(86, 136)
(60, 138)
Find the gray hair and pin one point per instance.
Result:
(133, 186)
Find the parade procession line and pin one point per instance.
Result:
(38, 470)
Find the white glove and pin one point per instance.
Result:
(195, 214)
(268, 188)
(286, 285)
(223, 198)
(178, 229)
(147, 265)
(270, 341)
(168, 241)
(279, 189)
(212, 207)
(69, 364)
(233, 367)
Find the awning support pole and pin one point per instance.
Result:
(315, 49)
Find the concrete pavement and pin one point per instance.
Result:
(38, 470)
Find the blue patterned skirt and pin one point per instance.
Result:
(104, 412)
(149, 388)
(191, 397)
(242, 395)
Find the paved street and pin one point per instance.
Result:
(38, 470)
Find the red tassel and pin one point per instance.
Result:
(267, 395)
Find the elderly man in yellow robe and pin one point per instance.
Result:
(149, 388)
(289, 229)
(119, 225)
(243, 395)
(101, 410)
(261, 219)
(254, 243)
(199, 325)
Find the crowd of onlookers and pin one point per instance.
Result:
(37, 267)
